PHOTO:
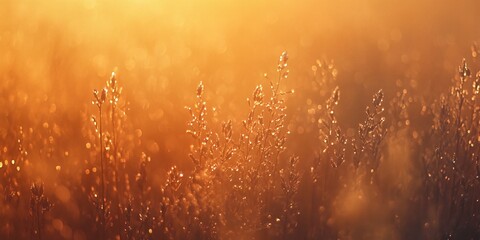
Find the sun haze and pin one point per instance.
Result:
(247, 119)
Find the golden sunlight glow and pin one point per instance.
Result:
(312, 119)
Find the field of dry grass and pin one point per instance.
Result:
(239, 120)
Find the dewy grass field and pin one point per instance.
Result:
(239, 119)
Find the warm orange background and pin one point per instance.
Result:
(53, 53)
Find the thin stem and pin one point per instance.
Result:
(102, 173)
(114, 139)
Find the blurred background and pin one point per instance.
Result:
(58, 51)
(54, 53)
